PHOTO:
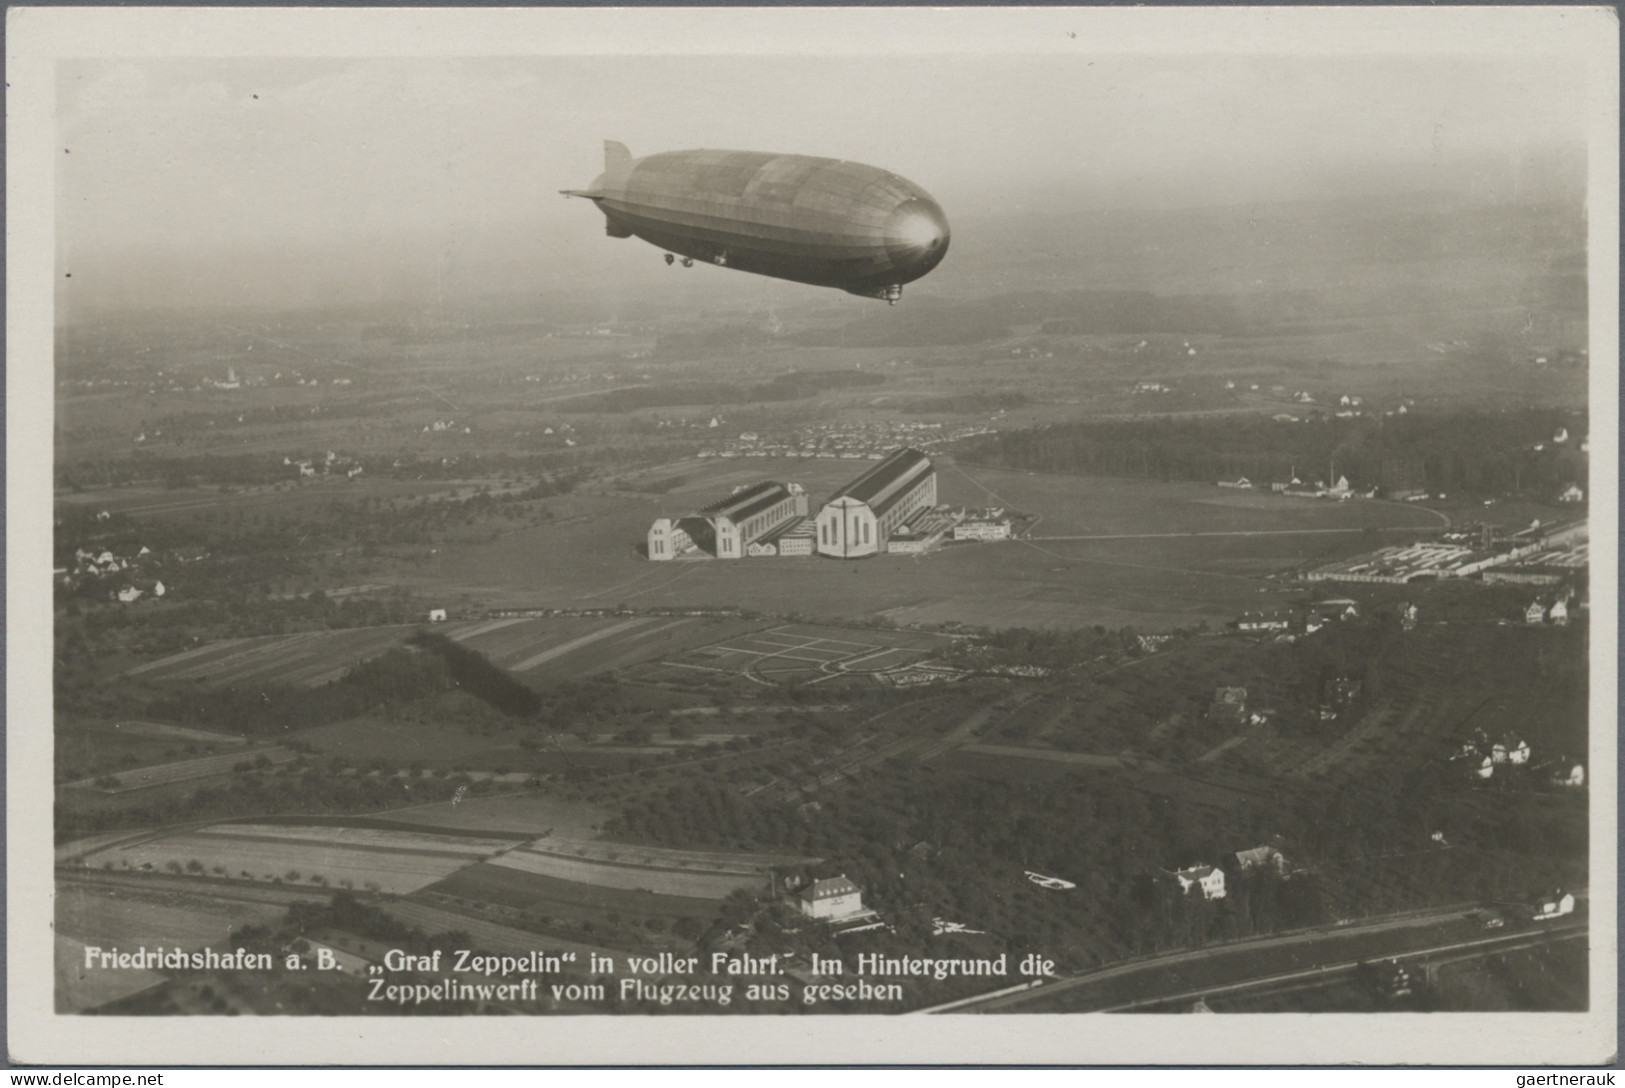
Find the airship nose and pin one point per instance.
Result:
(917, 235)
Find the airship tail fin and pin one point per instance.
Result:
(615, 154)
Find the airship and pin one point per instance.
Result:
(811, 220)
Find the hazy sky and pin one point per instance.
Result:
(400, 171)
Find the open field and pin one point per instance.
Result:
(125, 916)
(540, 648)
(90, 746)
(108, 916)
(539, 896)
(737, 862)
(177, 732)
(394, 862)
(1155, 583)
(628, 877)
(390, 839)
(534, 813)
(1108, 506)
(572, 646)
(295, 498)
(483, 935)
(303, 660)
(164, 774)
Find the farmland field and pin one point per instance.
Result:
(534, 813)
(89, 746)
(125, 917)
(177, 732)
(395, 862)
(797, 654)
(583, 645)
(660, 857)
(548, 647)
(163, 774)
(629, 877)
(108, 915)
(303, 660)
(538, 895)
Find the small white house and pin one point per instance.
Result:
(1555, 905)
(1207, 877)
(828, 900)
(437, 615)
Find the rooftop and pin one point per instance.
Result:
(887, 479)
(826, 889)
(747, 501)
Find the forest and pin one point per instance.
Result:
(1480, 453)
(922, 845)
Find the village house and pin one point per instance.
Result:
(1512, 750)
(1572, 779)
(1209, 878)
(1554, 905)
(1336, 608)
(830, 900)
(1263, 621)
(1535, 613)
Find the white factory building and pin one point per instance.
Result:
(771, 519)
(729, 527)
(859, 519)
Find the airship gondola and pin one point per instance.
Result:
(818, 221)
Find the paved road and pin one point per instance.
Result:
(1232, 532)
(1187, 975)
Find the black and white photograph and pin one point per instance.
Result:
(957, 518)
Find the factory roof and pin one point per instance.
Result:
(747, 501)
(884, 482)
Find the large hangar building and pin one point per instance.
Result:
(859, 519)
(895, 497)
(728, 527)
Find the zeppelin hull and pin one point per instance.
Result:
(816, 221)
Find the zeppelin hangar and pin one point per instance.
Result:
(878, 512)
